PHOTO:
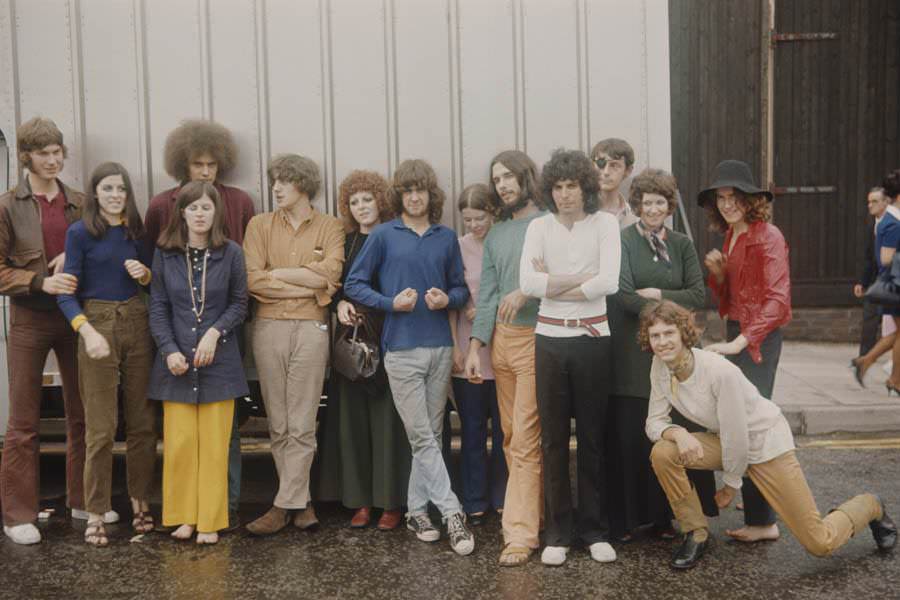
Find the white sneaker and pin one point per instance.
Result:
(109, 516)
(26, 533)
(554, 556)
(602, 552)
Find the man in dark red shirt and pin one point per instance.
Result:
(34, 217)
(200, 150)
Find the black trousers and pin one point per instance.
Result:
(871, 327)
(572, 376)
(756, 510)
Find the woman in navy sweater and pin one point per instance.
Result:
(198, 300)
(105, 251)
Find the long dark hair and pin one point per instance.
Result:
(175, 235)
(90, 212)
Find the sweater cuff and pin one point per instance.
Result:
(145, 280)
(78, 321)
(37, 283)
(732, 480)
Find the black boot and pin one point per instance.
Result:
(883, 530)
(689, 553)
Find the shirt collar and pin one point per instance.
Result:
(282, 214)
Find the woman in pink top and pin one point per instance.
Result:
(483, 478)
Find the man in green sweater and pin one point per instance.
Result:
(505, 318)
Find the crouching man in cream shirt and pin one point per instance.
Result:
(745, 433)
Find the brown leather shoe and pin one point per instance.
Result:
(390, 519)
(361, 518)
(306, 518)
(272, 522)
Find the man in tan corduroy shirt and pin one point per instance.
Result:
(294, 259)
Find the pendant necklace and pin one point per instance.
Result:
(190, 269)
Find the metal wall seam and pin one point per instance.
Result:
(645, 146)
(518, 24)
(76, 88)
(206, 94)
(11, 140)
(390, 87)
(143, 100)
(263, 147)
(456, 152)
(584, 100)
(330, 157)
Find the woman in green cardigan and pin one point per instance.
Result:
(657, 264)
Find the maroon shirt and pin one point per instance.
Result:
(238, 212)
(53, 224)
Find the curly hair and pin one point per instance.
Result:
(37, 133)
(653, 181)
(891, 184)
(671, 314)
(193, 138)
(575, 166)
(526, 172)
(175, 236)
(301, 171)
(419, 174)
(756, 206)
(363, 181)
(616, 149)
(90, 212)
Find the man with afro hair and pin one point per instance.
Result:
(199, 150)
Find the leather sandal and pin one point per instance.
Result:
(514, 555)
(95, 534)
(143, 522)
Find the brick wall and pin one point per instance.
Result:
(808, 324)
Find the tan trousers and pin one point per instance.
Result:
(290, 358)
(782, 484)
(195, 464)
(125, 327)
(512, 358)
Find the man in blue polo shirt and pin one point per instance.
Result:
(411, 269)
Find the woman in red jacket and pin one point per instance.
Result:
(751, 280)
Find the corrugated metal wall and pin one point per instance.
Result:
(350, 83)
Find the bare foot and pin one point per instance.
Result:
(755, 533)
(208, 538)
(183, 533)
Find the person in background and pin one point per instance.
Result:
(365, 458)
(483, 477)
(747, 435)
(198, 301)
(505, 318)
(199, 150)
(657, 263)
(294, 260)
(887, 241)
(876, 203)
(613, 160)
(34, 217)
(411, 269)
(571, 260)
(751, 280)
(105, 252)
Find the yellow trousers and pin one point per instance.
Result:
(195, 464)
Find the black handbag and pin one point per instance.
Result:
(353, 357)
(886, 289)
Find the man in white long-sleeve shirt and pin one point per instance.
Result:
(746, 433)
(570, 260)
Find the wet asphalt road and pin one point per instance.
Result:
(337, 562)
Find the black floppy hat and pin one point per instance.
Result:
(734, 174)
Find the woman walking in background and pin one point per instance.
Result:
(105, 251)
(657, 264)
(198, 299)
(365, 457)
(483, 478)
(751, 279)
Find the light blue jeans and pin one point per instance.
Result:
(420, 380)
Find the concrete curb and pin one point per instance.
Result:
(831, 419)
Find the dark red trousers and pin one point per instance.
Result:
(32, 334)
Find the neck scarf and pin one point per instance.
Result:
(657, 241)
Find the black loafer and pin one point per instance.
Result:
(689, 553)
(473, 520)
(234, 522)
(883, 530)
